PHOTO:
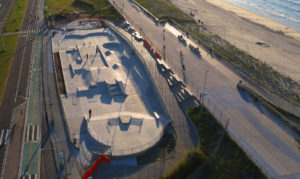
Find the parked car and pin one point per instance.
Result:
(124, 24)
(126, 29)
(137, 36)
(131, 30)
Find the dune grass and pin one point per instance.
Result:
(93, 8)
(229, 161)
(16, 18)
(10, 42)
(165, 10)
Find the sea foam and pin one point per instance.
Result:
(284, 11)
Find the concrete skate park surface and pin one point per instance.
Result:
(102, 75)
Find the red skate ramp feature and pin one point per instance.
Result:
(90, 171)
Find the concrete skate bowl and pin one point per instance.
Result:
(114, 46)
(127, 134)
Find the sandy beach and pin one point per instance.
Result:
(250, 32)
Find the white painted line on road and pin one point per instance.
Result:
(21, 69)
(1, 137)
(37, 132)
(27, 132)
(7, 136)
(32, 132)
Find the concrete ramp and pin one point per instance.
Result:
(102, 56)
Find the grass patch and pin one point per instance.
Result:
(165, 146)
(16, 18)
(230, 161)
(184, 168)
(165, 10)
(10, 42)
(241, 61)
(153, 154)
(92, 8)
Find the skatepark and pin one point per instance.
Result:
(108, 99)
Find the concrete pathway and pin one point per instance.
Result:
(267, 141)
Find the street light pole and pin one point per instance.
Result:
(203, 93)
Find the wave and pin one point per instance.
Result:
(292, 2)
(285, 9)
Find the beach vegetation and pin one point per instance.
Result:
(165, 146)
(85, 8)
(6, 57)
(218, 155)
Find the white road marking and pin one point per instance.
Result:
(37, 132)
(1, 137)
(32, 133)
(27, 131)
(7, 136)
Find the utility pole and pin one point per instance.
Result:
(203, 93)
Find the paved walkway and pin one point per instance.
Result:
(267, 141)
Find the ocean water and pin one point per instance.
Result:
(285, 11)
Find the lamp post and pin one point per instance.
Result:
(203, 93)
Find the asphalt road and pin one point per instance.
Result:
(16, 87)
(5, 11)
(262, 135)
